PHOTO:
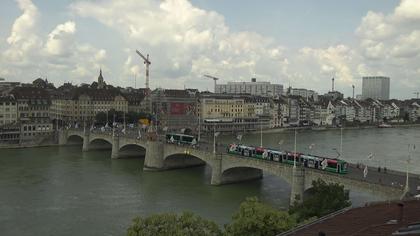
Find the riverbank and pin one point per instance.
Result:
(320, 129)
(47, 141)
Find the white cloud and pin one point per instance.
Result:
(185, 42)
(58, 55)
(60, 39)
(408, 10)
(22, 39)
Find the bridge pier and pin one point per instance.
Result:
(298, 185)
(85, 147)
(62, 137)
(154, 159)
(115, 147)
(216, 171)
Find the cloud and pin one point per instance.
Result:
(60, 40)
(58, 55)
(185, 42)
(22, 39)
(390, 45)
(408, 10)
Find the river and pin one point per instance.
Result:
(62, 191)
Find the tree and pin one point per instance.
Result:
(256, 218)
(324, 199)
(172, 224)
(101, 117)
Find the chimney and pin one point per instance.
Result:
(401, 213)
(254, 80)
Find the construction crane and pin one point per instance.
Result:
(147, 98)
(147, 63)
(417, 94)
(213, 78)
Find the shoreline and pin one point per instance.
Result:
(283, 129)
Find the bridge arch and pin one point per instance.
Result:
(240, 173)
(74, 139)
(132, 150)
(182, 160)
(233, 165)
(100, 143)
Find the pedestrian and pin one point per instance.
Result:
(384, 169)
(379, 169)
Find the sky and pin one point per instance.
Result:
(298, 43)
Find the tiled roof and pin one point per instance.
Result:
(377, 219)
(29, 93)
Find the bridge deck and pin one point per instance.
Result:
(391, 178)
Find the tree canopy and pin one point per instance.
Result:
(255, 218)
(324, 199)
(172, 224)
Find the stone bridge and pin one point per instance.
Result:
(226, 168)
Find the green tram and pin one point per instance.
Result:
(306, 160)
(181, 139)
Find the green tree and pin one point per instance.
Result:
(255, 218)
(172, 224)
(324, 199)
(100, 117)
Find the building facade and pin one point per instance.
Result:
(8, 110)
(376, 87)
(33, 112)
(253, 88)
(175, 109)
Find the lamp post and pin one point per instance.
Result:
(294, 159)
(214, 138)
(341, 139)
(261, 135)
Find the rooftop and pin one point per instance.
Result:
(376, 219)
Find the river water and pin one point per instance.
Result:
(62, 191)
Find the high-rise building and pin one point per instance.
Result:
(253, 88)
(376, 87)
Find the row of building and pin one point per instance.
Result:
(30, 111)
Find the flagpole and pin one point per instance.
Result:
(294, 159)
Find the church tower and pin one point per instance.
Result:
(101, 82)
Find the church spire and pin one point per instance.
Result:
(101, 82)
